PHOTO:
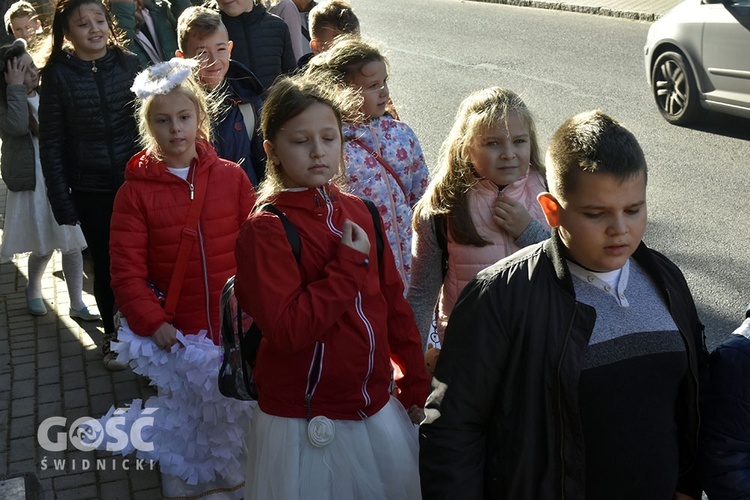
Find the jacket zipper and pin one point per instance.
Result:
(358, 306)
(559, 402)
(313, 376)
(107, 121)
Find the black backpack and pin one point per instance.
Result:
(241, 336)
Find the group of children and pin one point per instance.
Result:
(569, 366)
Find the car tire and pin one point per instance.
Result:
(674, 89)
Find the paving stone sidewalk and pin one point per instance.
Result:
(641, 10)
(50, 366)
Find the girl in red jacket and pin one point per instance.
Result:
(326, 426)
(176, 169)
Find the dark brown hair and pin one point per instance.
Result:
(591, 142)
(64, 9)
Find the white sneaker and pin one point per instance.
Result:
(112, 364)
(109, 358)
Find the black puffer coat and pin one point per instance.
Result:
(262, 43)
(87, 127)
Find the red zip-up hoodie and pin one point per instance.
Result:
(336, 310)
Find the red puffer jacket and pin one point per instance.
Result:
(150, 212)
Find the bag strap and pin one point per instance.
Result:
(247, 110)
(291, 232)
(385, 165)
(378, 226)
(440, 225)
(293, 236)
(189, 235)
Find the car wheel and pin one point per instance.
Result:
(674, 88)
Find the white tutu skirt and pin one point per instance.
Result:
(30, 225)
(372, 459)
(195, 433)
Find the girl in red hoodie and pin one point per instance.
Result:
(326, 426)
(162, 183)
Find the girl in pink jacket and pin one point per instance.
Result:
(480, 207)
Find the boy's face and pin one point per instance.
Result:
(234, 8)
(322, 39)
(213, 51)
(25, 27)
(602, 221)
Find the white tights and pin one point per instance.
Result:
(72, 264)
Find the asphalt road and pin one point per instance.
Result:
(564, 63)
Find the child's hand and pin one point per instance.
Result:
(165, 337)
(416, 414)
(510, 216)
(355, 237)
(15, 71)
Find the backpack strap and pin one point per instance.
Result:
(440, 226)
(375, 213)
(291, 232)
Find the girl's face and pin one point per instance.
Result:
(88, 31)
(372, 80)
(30, 72)
(308, 147)
(501, 153)
(173, 122)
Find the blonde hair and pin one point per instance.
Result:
(455, 176)
(206, 107)
(287, 98)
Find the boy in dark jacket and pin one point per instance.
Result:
(261, 40)
(202, 35)
(570, 369)
(724, 451)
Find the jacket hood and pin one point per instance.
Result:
(242, 81)
(144, 165)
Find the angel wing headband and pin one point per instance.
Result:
(161, 78)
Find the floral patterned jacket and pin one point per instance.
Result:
(397, 145)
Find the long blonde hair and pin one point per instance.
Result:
(455, 176)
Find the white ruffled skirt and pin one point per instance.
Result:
(372, 459)
(30, 225)
(196, 434)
